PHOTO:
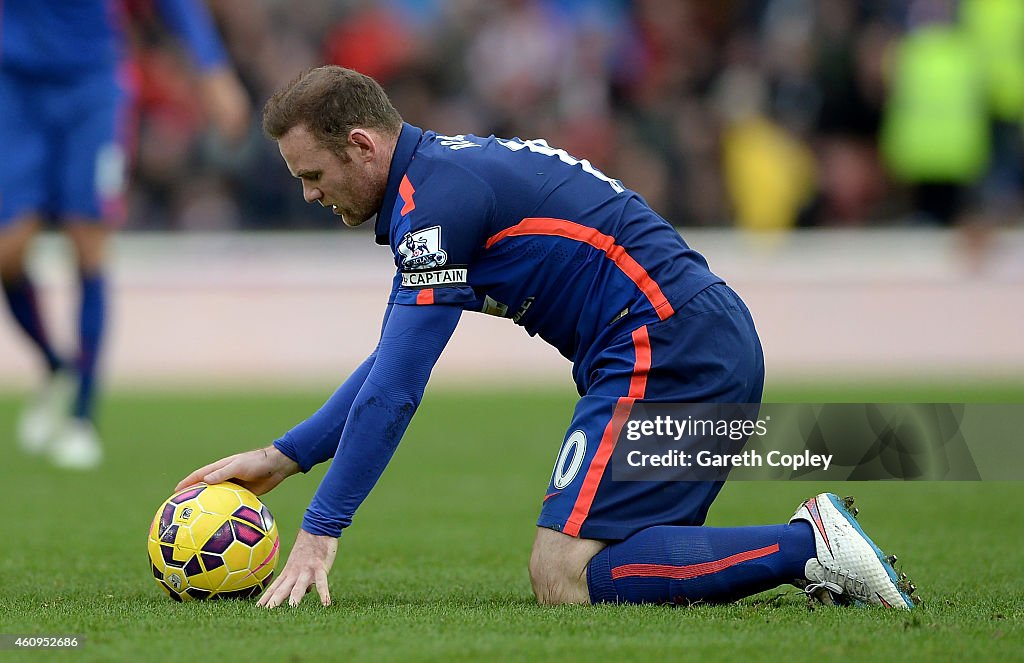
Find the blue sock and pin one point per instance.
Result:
(709, 564)
(90, 331)
(20, 294)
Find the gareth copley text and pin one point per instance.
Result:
(748, 458)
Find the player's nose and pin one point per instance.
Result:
(311, 194)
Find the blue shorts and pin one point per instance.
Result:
(65, 146)
(708, 352)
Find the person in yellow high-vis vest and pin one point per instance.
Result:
(996, 30)
(935, 131)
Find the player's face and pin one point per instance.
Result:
(352, 187)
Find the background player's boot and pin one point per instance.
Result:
(77, 446)
(848, 564)
(46, 414)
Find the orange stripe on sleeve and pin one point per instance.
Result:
(425, 297)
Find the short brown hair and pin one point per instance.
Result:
(330, 101)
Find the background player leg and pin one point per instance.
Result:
(45, 414)
(78, 446)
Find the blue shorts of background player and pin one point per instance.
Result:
(708, 352)
(66, 139)
(66, 142)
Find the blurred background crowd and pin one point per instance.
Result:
(761, 114)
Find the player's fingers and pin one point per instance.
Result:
(299, 588)
(275, 596)
(322, 587)
(265, 598)
(191, 479)
(268, 593)
(201, 473)
(222, 474)
(289, 581)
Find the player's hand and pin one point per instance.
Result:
(226, 102)
(309, 563)
(259, 470)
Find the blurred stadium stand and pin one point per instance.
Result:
(754, 113)
(731, 117)
(270, 310)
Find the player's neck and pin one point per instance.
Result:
(387, 148)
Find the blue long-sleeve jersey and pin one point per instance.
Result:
(68, 37)
(507, 227)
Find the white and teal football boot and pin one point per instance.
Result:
(849, 567)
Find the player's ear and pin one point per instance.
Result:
(364, 143)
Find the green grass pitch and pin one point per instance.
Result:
(434, 567)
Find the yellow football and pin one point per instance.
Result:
(213, 542)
